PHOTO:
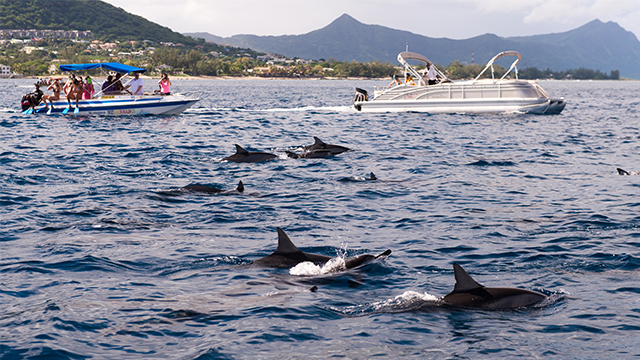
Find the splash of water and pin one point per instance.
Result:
(309, 268)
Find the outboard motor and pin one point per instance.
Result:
(360, 96)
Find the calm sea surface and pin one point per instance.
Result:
(101, 257)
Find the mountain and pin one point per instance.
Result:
(595, 45)
(107, 22)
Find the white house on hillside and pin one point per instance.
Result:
(5, 70)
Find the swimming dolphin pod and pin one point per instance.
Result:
(212, 190)
(319, 149)
(467, 293)
(243, 155)
(288, 255)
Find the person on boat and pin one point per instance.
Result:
(136, 84)
(75, 91)
(395, 82)
(67, 85)
(32, 99)
(117, 85)
(56, 88)
(164, 84)
(88, 88)
(107, 85)
(431, 75)
(409, 80)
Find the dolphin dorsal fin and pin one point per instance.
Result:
(240, 150)
(240, 187)
(319, 142)
(284, 243)
(372, 176)
(464, 282)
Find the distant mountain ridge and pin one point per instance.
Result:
(104, 20)
(595, 45)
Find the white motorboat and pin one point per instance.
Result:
(120, 103)
(468, 96)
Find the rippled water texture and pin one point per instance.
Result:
(101, 257)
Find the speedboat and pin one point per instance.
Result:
(468, 96)
(120, 103)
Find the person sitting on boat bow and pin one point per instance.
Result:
(55, 87)
(75, 90)
(32, 99)
(395, 82)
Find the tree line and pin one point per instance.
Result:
(229, 61)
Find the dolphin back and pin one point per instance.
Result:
(288, 255)
(468, 293)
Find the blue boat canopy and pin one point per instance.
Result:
(113, 66)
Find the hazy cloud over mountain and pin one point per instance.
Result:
(456, 19)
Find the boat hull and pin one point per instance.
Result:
(530, 106)
(462, 97)
(125, 105)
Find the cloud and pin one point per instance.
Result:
(455, 18)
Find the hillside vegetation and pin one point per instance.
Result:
(107, 22)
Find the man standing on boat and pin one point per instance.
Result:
(136, 84)
(431, 75)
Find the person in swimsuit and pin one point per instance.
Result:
(55, 87)
(75, 91)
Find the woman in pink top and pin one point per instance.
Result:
(164, 85)
(88, 89)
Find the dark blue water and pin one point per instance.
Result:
(100, 258)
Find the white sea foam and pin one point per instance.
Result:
(309, 268)
(409, 300)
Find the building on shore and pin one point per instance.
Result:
(35, 34)
(5, 70)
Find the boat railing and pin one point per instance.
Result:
(540, 89)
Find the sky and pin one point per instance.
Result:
(454, 19)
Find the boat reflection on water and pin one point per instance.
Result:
(468, 96)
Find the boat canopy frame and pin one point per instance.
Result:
(502, 54)
(111, 66)
(407, 55)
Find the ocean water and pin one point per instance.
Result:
(101, 257)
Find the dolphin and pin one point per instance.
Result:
(467, 293)
(288, 255)
(372, 177)
(243, 155)
(211, 190)
(319, 149)
(625, 172)
(321, 145)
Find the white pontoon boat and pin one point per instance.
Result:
(469, 96)
(121, 104)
